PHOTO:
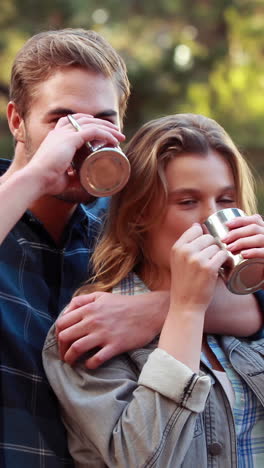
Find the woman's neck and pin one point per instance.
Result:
(157, 280)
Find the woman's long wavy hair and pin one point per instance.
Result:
(143, 201)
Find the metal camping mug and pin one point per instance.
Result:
(105, 169)
(242, 276)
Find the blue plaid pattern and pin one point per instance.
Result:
(248, 414)
(37, 279)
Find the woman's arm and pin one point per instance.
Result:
(123, 417)
(195, 262)
(131, 421)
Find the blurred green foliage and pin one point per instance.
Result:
(203, 56)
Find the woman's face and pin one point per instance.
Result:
(198, 185)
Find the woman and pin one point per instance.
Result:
(186, 399)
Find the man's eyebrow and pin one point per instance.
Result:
(106, 113)
(60, 111)
(65, 111)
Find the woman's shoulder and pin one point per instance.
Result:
(130, 285)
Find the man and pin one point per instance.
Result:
(45, 250)
(47, 234)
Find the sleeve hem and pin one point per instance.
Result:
(173, 379)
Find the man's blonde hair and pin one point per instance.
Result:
(50, 50)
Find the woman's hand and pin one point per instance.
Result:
(195, 262)
(246, 236)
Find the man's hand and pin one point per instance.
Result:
(47, 172)
(114, 323)
(55, 154)
(117, 323)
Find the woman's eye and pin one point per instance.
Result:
(227, 200)
(187, 202)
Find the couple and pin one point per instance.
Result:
(187, 398)
(47, 237)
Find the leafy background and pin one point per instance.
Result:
(202, 56)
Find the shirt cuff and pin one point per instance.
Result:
(164, 374)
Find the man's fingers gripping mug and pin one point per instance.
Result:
(104, 171)
(242, 276)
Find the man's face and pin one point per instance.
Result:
(69, 91)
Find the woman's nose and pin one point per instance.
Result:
(208, 211)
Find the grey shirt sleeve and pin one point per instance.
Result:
(119, 416)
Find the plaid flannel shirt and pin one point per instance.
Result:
(37, 279)
(248, 412)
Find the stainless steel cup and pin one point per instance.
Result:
(105, 169)
(242, 276)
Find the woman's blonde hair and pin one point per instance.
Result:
(142, 203)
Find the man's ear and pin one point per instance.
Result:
(15, 122)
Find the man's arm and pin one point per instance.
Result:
(46, 172)
(115, 323)
(118, 323)
(16, 195)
